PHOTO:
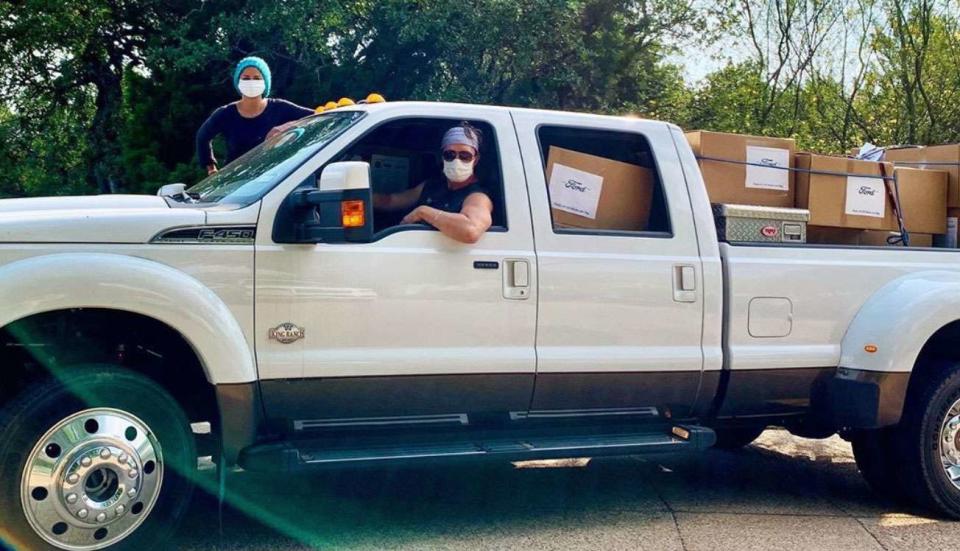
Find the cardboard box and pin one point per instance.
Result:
(935, 157)
(921, 240)
(729, 180)
(923, 199)
(821, 235)
(870, 238)
(591, 192)
(844, 193)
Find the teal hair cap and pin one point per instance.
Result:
(258, 64)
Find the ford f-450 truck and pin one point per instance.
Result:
(272, 304)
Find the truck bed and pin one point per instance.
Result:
(789, 306)
(787, 309)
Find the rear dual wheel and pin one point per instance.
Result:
(878, 460)
(919, 459)
(97, 458)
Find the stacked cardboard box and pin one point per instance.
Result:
(745, 170)
(590, 192)
(923, 199)
(923, 204)
(848, 199)
(937, 157)
(845, 193)
(945, 158)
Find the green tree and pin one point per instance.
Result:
(918, 98)
(599, 55)
(58, 54)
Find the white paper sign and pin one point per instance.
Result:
(866, 197)
(773, 174)
(575, 191)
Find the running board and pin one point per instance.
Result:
(297, 455)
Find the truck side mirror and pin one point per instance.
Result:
(338, 210)
(171, 190)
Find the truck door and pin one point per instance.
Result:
(621, 308)
(413, 329)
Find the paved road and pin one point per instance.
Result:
(781, 493)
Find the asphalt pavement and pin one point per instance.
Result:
(782, 492)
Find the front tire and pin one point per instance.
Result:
(95, 458)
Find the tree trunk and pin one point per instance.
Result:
(105, 166)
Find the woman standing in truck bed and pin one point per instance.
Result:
(246, 123)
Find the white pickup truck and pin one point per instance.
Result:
(245, 304)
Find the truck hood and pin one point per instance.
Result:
(91, 219)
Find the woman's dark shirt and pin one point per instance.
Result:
(242, 133)
(436, 194)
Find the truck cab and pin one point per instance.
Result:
(412, 329)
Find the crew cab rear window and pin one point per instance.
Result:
(601, 181)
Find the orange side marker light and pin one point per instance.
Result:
(353, 213)
(870, 349)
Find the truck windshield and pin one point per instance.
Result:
(252, 175)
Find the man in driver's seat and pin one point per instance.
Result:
(455, 204)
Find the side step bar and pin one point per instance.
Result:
(298, 455)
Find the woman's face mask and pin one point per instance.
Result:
(252, 88)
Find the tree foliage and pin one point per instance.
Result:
(106, 95)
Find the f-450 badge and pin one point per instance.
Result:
(226, 235)
(286, 333)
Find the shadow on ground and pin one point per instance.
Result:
(779, 485)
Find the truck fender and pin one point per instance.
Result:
(101, 280)
(883, 342)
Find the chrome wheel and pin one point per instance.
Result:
(950, 444)
(92, 479)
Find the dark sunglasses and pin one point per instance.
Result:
(464, 156)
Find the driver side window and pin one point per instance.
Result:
(405, 153)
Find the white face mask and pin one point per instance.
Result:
(252, 88)
(457, 170)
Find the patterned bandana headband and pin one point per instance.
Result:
(458, 135)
